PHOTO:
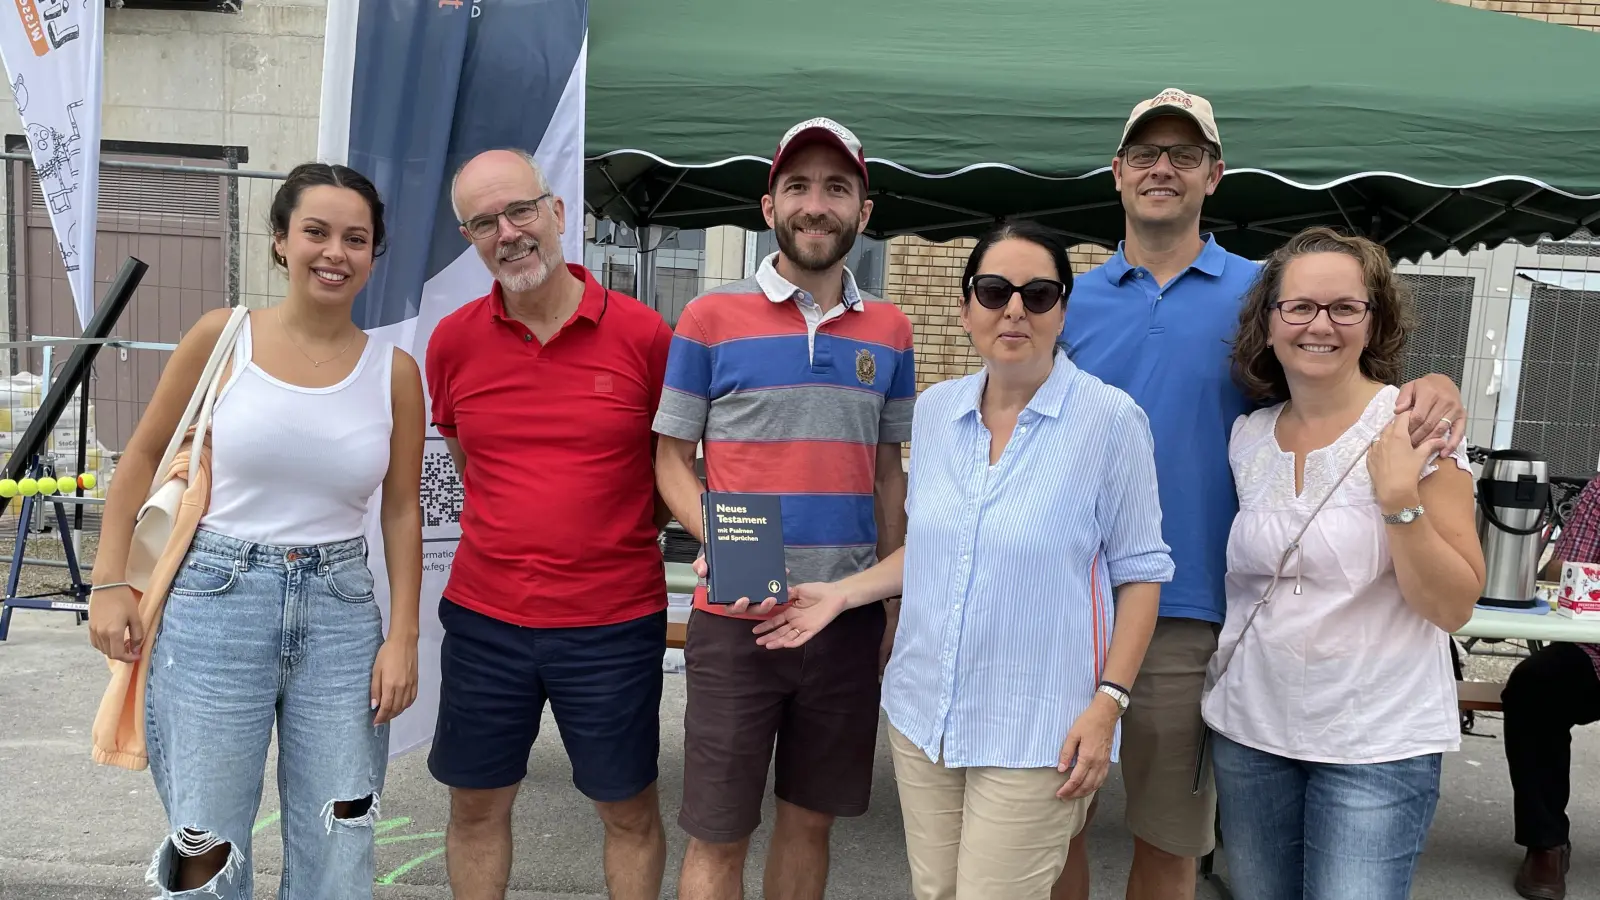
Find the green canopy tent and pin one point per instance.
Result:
(1426, 125)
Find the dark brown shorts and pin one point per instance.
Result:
(818, 703)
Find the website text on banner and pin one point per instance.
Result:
(53, 52)
(392, 112)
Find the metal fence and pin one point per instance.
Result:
(1519, 330)
(202, 229)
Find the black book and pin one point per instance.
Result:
(744, 547)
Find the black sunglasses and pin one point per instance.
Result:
(1039, 296)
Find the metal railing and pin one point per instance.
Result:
(202, 228)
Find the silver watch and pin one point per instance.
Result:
(1117, 694)
(1404, 516)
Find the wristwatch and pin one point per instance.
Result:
(1404, 516)
(1116, 692)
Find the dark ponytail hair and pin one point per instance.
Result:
(1053, 242)
(317, 174)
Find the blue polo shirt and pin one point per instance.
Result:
(1168, 346)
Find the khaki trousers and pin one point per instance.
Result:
(982, 833)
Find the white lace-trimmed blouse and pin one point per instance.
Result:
(1345, 671)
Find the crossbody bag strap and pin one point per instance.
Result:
(1289, 551)
(1255, 608)
(203, 397)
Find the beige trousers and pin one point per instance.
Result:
(982, 833)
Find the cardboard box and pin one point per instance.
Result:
(1579, 597)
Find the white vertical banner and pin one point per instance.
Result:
(54, 53)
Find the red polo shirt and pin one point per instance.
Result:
(557, 528)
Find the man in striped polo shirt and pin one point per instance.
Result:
(801, 386)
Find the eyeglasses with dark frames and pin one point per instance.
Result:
(1039, 296)
(520, 213)
(1340, 312)
(1183, 156)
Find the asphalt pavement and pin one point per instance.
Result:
(71, 829)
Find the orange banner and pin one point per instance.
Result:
(33, 24)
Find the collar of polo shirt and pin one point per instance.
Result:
(1211, 261)
(778, 288)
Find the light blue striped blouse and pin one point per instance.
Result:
(1007, 609)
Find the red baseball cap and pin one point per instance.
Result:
(813, 131)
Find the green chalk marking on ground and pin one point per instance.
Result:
(264, 823)
(391, 824)
(400, 838)
(392, 876)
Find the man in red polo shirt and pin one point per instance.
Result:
(544, 391)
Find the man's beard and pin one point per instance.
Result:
(824, 259)
(523, 281)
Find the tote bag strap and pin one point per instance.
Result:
(204, 395)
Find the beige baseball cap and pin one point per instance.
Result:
(1173, 101)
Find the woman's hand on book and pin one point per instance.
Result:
(810, 608)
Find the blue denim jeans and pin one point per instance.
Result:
(254, 635)
(1319, 831)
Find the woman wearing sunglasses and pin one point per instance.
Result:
(1030, 578)
(1353, 557)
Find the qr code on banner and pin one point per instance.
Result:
(442, 491)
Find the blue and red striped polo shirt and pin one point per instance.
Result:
(794, 402)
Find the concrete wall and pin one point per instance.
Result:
(251, 79)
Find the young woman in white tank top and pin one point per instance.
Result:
(272, 618)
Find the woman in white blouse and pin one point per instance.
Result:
(1031, 577)
(1331, 696)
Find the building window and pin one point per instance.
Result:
(613, 256)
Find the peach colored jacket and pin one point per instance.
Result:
(118, 731)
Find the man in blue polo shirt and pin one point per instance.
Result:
(1157, 321)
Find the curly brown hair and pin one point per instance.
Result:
(1389, 322)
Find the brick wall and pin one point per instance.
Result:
(925, 280)
(1583, 14)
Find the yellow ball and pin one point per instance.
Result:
(8, 488)
(47, 485)
(27, 487)
(86, 480)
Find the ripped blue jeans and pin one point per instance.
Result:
(254, 635)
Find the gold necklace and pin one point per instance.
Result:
(302, 350)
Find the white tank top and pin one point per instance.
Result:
(295, 466)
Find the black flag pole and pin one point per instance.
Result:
(75, 372)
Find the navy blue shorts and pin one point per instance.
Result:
(603, 684)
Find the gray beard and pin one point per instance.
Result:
(521, 282)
